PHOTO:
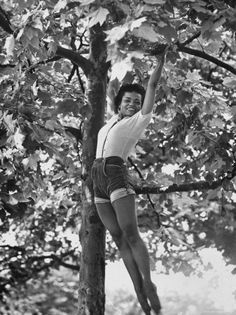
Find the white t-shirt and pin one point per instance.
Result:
(118, 137)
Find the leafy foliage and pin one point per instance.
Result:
(187, 157)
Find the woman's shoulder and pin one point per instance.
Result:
(110, 122)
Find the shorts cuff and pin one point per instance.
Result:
(101, 200)
(120, 193)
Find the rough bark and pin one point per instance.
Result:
(92, 234)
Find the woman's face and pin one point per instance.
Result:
(130, 104)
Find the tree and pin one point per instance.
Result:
(49, 126)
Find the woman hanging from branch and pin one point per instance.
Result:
(114, 194)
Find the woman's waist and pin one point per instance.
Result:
(114, 159)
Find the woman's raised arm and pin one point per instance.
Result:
(152, 85)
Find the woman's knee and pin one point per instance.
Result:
(117, 237)
(131, 234)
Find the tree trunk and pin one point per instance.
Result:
(92, 233)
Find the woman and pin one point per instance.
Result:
(114, 194)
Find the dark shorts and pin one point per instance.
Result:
(110, 179)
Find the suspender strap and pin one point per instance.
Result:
(104, 142)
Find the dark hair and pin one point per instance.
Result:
(128, 88)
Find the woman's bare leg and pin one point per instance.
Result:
(108, 217)
(127, 220)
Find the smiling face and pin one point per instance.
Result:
(130, 104)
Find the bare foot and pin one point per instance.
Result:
(151, 292)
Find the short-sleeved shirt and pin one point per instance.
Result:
(119, 137)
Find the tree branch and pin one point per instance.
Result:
(8, 65)
(10, 247)
(21, 275)
(76, 58)
(190, 39)
(80, 81)
(181, 47)
(55, 259)
(204, 55)
(72, 73)
(5, 22)
(66, 265)
(201, 185)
